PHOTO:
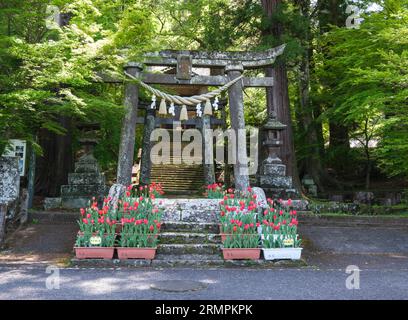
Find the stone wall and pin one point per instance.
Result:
(9, 179)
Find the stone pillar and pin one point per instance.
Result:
(236, 103)
(127, 139)
(149, 126)
(208, 150)
(31, 177)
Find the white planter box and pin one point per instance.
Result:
(282, 253)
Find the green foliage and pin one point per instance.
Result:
(366, 71)
(358, 76)
(239, 241)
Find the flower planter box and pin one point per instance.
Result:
(282, 253)
(136, 253)
(94, 252)
(241, 254)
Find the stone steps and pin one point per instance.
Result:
(173, 226)
(189, 238)
(178, 177)
(193, 257)
(182, 249)
(202, 263)
(190, 234)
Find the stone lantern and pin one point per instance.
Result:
(272, 176)
(272, 142)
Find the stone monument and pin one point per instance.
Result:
(309, 185)
(86, 182)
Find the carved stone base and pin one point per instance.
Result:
(274, 181)
(86, 182)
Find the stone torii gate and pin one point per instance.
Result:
(233, 65)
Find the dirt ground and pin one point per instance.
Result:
(48, 238)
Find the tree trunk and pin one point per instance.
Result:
(278, 95)
(312, 163)
(57, 161)
(332, 13)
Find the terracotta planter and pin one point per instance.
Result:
(94, 252)
(136, 253)
(241, 253)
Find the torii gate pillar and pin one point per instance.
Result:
(236, 103)
(127, 139)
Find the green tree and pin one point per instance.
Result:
(367, 71)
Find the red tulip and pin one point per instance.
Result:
(235, 228)
(82, 211)
(127, 193)
(151, 228)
